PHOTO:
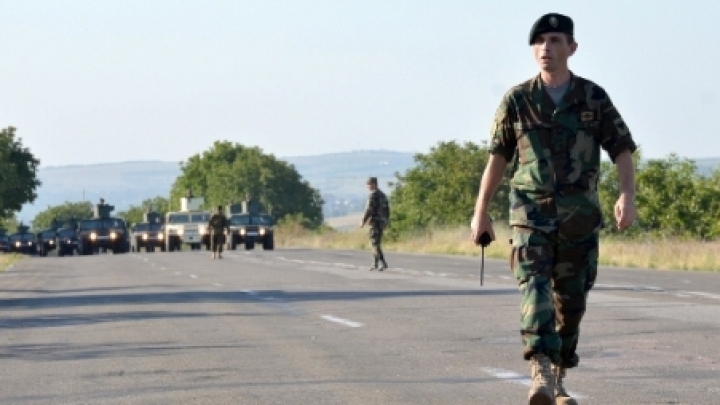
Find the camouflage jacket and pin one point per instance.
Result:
(218, 223)
(377, 207)
(556, 153)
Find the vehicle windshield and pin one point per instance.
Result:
(188, 218)
(106, 223)
(244, 219)
(48, 235)
(66, 233)
(24, 236)
(145, 227)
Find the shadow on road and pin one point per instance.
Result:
(200, 297)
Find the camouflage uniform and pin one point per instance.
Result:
(377, 211)
(218, 223)
(554, 207)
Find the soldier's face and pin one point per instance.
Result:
(552, 51)
(371, 186)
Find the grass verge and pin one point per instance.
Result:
(8, 259)
(657, 253)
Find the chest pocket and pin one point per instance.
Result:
(533, 142)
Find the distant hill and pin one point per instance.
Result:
(340, 177)
(707, 166)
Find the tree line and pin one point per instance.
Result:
(673, 198)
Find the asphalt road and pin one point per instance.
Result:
(316, 327)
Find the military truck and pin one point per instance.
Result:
(148, 234)
(248, 226)
(67, 240)
(102, 232)
(23, 241)
(4, 241)
(187, 226)
(47, 239)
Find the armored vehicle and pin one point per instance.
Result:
(4, 241)
(148, 234)
(23, 241)
(67, 241)
(187, 226)
(249, 228)
(47, 239)
(102, 232)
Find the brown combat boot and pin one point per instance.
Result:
(541, 392)
(561, 396)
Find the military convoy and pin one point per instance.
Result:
(248, 224)
(187, 226)
(148, 234)
(102, 232)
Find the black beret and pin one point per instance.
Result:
(552, 22)
(372, 180)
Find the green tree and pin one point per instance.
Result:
(9, 224)
(18, 173)
(441, 189)
(136, 213)
(68, 210)
(672, 198)
(227, 172)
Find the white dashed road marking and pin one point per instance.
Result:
(193, 276)
(342, 321)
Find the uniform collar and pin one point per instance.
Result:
(572, 96)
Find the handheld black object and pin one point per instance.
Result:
(484, 240)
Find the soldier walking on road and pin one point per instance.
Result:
(377, 212)
(554, 127)
(218, 224)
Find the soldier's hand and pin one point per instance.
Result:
(624, 212)
(480, 225)
(362, 224)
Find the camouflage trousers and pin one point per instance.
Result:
(555, 276)
(216, 242)
(376, 234)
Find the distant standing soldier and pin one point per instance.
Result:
(218, 223)
(377, 212)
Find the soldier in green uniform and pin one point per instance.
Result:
(377, 213)
(554, 127)
(218, 224)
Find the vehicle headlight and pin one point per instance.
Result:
(93, 236)
(161, 236)
(113, 235)
(17, 244)
(180, 232)
(69, 241)
(242, 231)
(262, 231)
(52, 242)
(29, 243)
(144, 236)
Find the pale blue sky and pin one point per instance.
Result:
(106, 81)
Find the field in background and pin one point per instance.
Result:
(653, 254)
(8, 259)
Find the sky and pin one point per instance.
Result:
(108, 81)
